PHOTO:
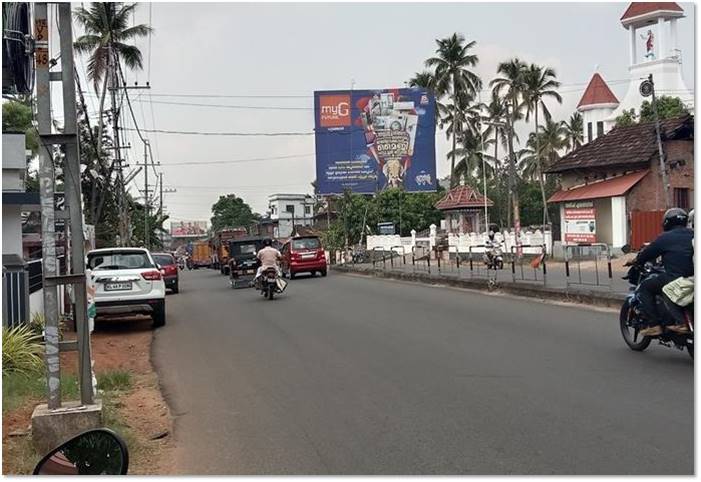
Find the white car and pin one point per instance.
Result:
(127, 282)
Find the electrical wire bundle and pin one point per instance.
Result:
(17, 59)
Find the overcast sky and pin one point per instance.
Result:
(294, 49)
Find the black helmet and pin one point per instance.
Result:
(267, 242)
(674, 217)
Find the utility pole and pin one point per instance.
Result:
(121, 194)
(647, 88)
(146, 200)
(88, 412)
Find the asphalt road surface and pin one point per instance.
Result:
(353, 375)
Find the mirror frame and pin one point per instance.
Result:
(115, 435)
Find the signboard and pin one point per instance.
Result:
(386, 228)
(371, 140)
(580, 222)
(181, 229)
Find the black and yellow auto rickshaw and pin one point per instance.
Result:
(242, 260)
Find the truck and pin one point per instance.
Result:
(201, 256)
(220, 244)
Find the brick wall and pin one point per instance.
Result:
(648, 194)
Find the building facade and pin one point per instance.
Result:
(611, 188)
(289, 210)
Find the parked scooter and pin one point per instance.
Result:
(631, 321)
(95, 452)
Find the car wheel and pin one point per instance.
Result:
(292, 275)
(323, 272)
(176, 287)
(159, 315)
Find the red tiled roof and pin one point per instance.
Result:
(636, 9)
(631, 147)
(597, 92)
(616, 186)
(462, 197)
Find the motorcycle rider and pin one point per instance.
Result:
(492, 248)
(268, 257)
(675, 246)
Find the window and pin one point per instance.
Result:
(305, 243)
(307, 210)
(111, 260)
(589, 132)
(599, 128)
(681, 197)
(290, 208)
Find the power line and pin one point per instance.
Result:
(236, 161)
(236, 134)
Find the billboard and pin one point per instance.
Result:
(580, 222)
(183, 229)
(370, 140)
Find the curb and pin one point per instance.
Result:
(587, 297)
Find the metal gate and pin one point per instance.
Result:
(645, 226)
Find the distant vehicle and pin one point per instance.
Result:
(127, 282)
(220, 243)
(242, 260)
(201, 255)
(169, 270)
(303, 254)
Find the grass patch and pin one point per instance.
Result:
(112, 381)
(19, 389)
(19, 456)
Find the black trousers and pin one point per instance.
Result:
(649, 289)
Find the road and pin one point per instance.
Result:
(353, 375)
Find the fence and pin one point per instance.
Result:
(595, 254)
(15, 290)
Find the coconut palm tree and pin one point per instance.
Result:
(542, 149)
(510, 84)
(422, 79)
(540, 84)
(575, 131)
(453, 77)
(107, 30)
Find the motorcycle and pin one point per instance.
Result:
(494, 256)
(95, 452)
(631, 321)
(269, 283)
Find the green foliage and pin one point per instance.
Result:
(627, 118)
(37, 323)
(17, 116)
(231, 211)
(667, 108)
(21, 350)
(20, 390)
(117, 380)
(155, 226)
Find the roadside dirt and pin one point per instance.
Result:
(123, 346)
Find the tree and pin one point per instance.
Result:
(549, 141)
(575, 131)
(231, 211)
(452, 77)
(667, 108)
(155, 226)
(540, 84)
(107, 30)
(17, 116)
(511, 84)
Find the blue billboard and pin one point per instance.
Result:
(371, 140)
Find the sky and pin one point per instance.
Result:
(270, 50)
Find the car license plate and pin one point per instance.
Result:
(123, 286)
(308, 255)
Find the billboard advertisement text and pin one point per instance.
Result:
(371, 140)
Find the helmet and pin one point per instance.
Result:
(691, 219)
(674, 217)
(267, 242)
(491, 234)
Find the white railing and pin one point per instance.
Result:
(463, 242)
(389, 242)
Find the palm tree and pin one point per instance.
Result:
(540, 84)
(575, 131)
(422, 79)
(106, 27)
(542, 149)
(511, 85)
(452, 77)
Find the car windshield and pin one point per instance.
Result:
(306, 243)
(163, 259)
(248, 248)
(119, 260)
